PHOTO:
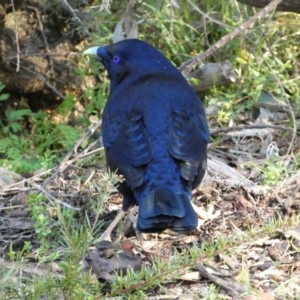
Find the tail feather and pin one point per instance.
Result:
(163, 209)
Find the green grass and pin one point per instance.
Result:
(68, 240)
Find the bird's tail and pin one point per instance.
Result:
(163, 209)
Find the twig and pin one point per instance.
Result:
(255, 126)
(45, 54)
(171, 21)
(290, 109)
(19, 177)
(38, 187)
(66, 161)
(294, 127)
(51, 87)
(63, 165)
(50, 197)
(103, 6)
(206, 15)
(88, 133)
(232, 286)
(73, 13)
(17, 37)
(29, 268)
(42, 33)
(9, 191)
(11, 207)
(187, 66)
(71, 10)
(289, 181)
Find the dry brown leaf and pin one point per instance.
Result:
(242, 203)
(104, 268)
(127, 247)
(274, 253)
(232, 263)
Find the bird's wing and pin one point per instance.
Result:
(128, 148)
(188, 143)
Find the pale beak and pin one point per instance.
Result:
(91, 51)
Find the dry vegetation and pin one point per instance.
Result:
(56, 197)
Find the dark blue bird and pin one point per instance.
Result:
(155, 134)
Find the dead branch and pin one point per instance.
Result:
(232, 286)
(189, 65)
(67, 161)
(229, 176)
(38, 15)
(213, 74)
(254, 126)
(30, 268)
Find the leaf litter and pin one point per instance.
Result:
(233, 203)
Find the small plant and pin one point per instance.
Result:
(222, 242)
(209, 247)
(274, 170)
(26, 148)
(43, 225)
(274, 224)
(252, 230)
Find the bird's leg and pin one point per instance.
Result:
(106, 234)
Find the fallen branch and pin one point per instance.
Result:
(232, 286)
(230, 177)
(255, 126)
(212, 74)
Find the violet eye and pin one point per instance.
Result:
(116, 59)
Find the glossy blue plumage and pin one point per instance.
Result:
(154, 133)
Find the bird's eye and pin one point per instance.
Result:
(116, 59)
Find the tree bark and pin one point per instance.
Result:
(38, 52)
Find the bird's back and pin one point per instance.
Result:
(164, 196)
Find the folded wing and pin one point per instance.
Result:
(188, 144)
(128, 148)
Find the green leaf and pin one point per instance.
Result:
(15, 127)
(17, 115)
(3, 96)
(66, 106)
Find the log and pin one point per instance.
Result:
(212, 74)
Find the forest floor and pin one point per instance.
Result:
(246, 247)
(248, 242)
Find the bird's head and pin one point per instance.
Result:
(132, 58)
